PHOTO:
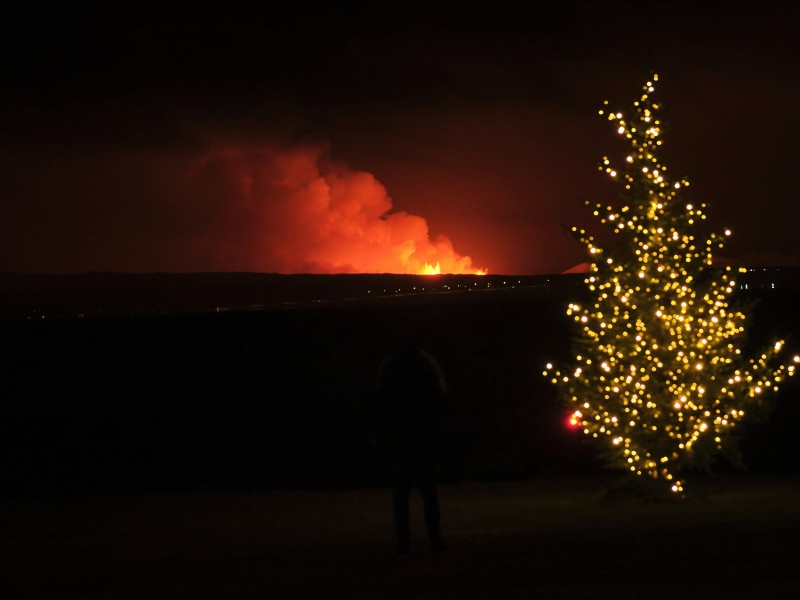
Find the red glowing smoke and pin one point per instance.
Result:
(236, 207)
(296, 211)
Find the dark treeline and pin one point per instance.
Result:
(281, 398)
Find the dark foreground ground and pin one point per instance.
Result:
(737, 537)
(283, 399)
(153, 457)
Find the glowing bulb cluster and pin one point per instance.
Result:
(659, 379)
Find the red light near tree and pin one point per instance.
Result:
(574, 420)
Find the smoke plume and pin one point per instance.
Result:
(238, 207)
(296, 211)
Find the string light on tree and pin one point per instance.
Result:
(659, 378)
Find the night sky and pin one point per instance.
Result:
(319, 137)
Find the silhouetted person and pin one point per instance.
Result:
(411, 390)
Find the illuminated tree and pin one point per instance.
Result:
(659, 378)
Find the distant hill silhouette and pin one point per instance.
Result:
(96, 294)
(26, 296)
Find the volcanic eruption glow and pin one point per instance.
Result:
(297, 211)
(243, 206)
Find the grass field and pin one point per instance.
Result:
(736, 537)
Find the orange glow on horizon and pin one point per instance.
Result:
(436, 269)
(431, 269)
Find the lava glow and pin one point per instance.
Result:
(437, 270)
(294, 210)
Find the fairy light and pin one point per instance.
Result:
(661, 381)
